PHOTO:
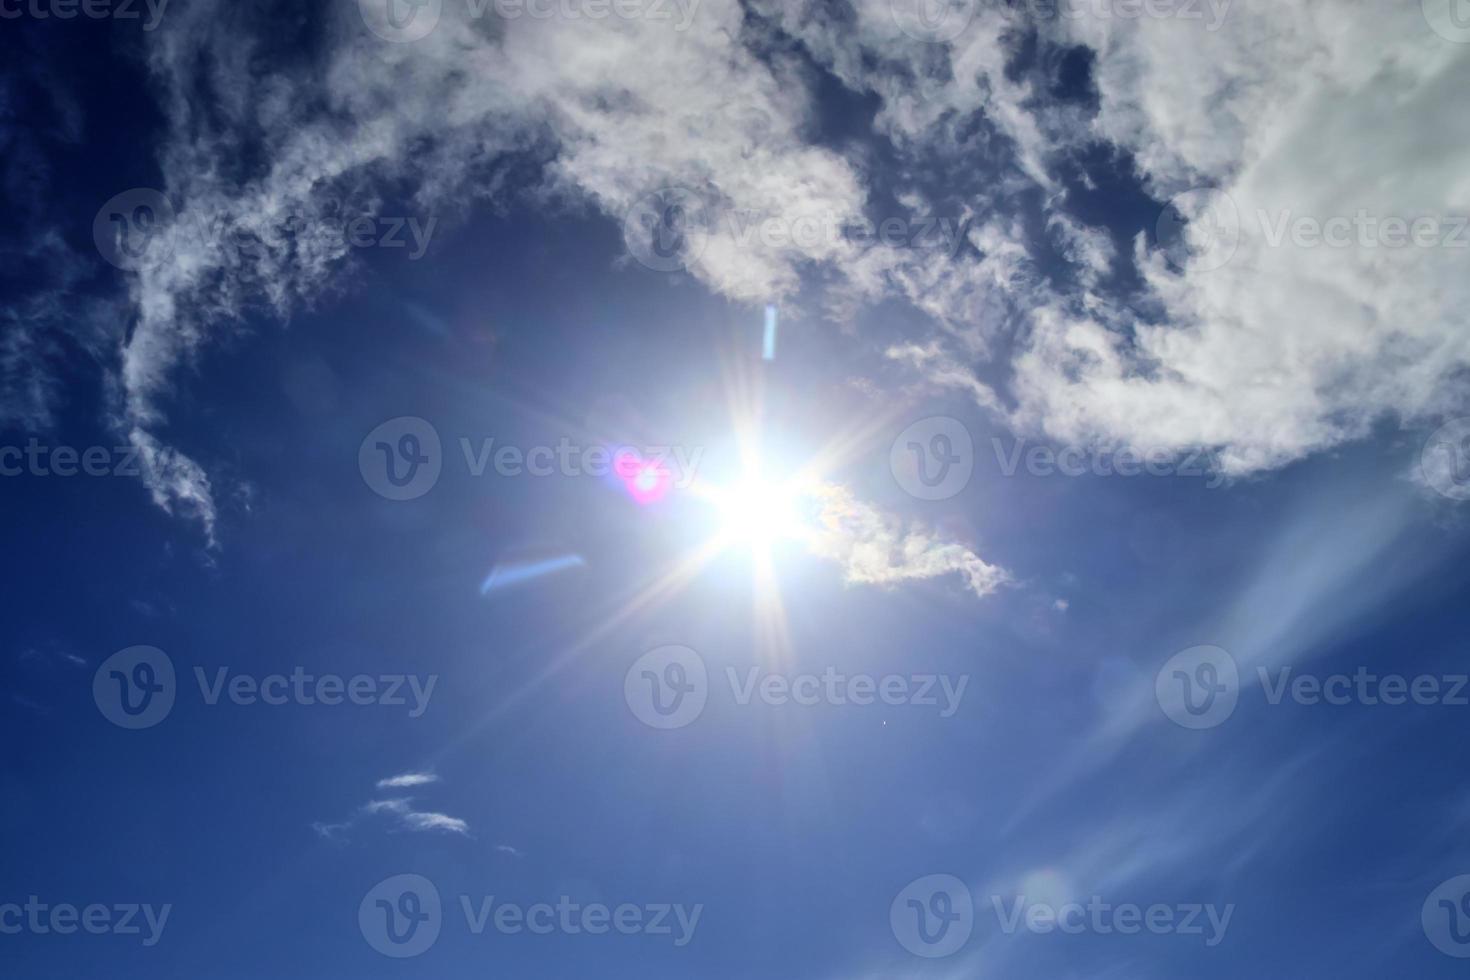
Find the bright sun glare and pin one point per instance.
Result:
(759, 511)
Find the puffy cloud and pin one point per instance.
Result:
(1341, 114)
(1268, 342)
(1302, 109)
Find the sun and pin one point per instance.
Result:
(759, 511)
(756, 511)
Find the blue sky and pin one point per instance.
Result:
(449, 582)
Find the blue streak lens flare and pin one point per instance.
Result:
(504, 576)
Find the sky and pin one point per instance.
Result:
(696, 488)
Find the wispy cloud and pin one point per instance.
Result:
(400, 809)
(879, 549)
(421, 820)
(407, 780)
(436, 821)
(1284, 351)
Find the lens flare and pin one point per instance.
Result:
(647, 481)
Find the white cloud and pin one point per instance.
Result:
(417, 820)
(401, 809)
(1293, 110)
(408, 779)
(620, 108)
(1307, 108)
(878, 549)
(436, 821)
(1313, 108)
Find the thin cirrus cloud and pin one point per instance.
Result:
(399, 809)
(408, 779)
(875, 548)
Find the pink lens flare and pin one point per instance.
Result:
(648, 481)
